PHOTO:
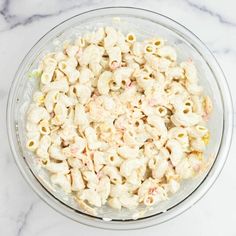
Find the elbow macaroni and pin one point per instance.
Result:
(117, 121)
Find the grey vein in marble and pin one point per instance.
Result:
(225, 51)
(24, 218)
(208, 11)
(14, 21)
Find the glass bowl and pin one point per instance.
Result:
(144, 24)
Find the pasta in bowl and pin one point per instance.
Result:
(116, 125)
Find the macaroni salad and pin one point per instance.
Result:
(117, 121)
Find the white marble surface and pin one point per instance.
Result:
(22, 22)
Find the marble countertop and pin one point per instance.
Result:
(22, 213)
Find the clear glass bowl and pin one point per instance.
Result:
(144, 24)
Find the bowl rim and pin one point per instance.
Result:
(203, 186)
